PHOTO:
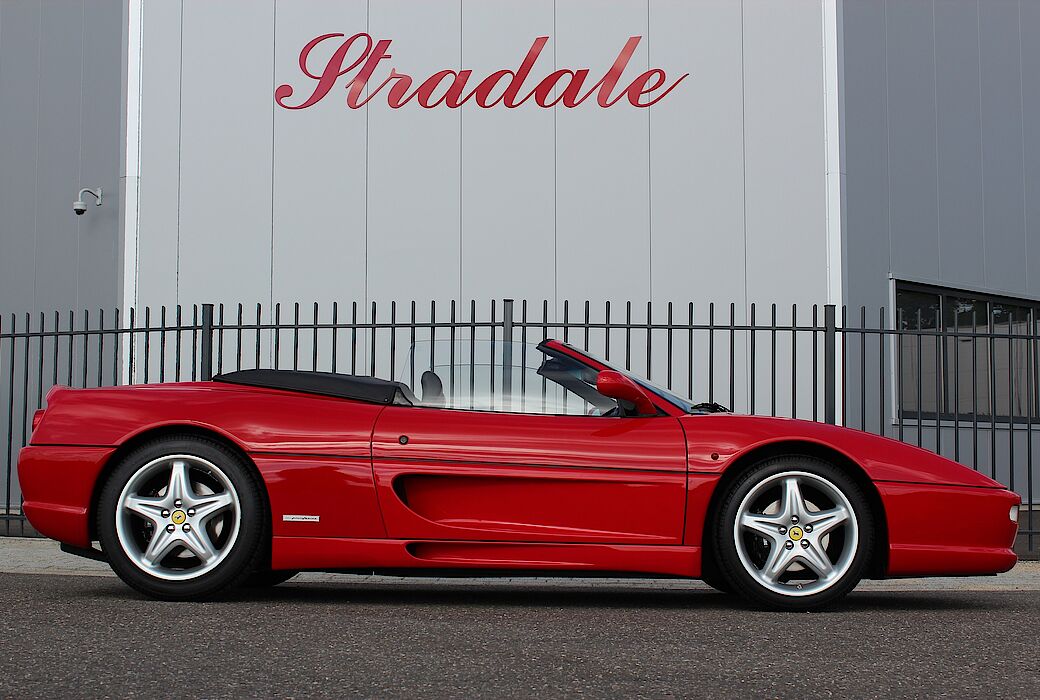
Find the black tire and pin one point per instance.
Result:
(727, 559)
(711, 576)
(243, 557)
(266, 578)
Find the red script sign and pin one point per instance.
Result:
(449, 87)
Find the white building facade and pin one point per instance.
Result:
(702, 195)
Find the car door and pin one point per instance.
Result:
(451, 474)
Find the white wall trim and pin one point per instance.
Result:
(834, 137)
(834, 149)
(131, 172)
(132, 165)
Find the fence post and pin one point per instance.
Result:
(829, 364)
(206, 370)
(507, 352)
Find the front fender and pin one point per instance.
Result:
(718, 441)
(941, 518)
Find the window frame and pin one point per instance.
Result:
(949, 415)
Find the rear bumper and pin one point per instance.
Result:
(948, 530)
(57, 484)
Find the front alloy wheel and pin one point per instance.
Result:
(182, 518)
(795, 533)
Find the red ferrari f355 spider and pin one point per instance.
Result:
(531, 459)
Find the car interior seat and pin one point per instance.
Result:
(432, 389)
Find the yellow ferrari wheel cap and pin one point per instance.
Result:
(795, 533)
(178, 517)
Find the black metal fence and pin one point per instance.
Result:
(970, 394)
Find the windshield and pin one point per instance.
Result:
(679, 402)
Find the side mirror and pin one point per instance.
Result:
(615, 385)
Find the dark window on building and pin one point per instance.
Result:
(965, 355)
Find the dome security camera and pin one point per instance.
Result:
(79, 206)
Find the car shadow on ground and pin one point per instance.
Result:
(643, 598)
(542, 596)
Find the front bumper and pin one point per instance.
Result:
(948, 530)
(57, 484)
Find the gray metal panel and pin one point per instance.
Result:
(414, 157)
(912, 150)
(319, 167)
(1028, 29)
(696, 154)
(602, 163)
(1001, 93)
(58, 177)
(785, 162)
(19, 84)
(867, 246)
(160, 154)
(226, 151)
(59, 131)
(508, 182)
(955, 79)
(959, 142)
(99, 261)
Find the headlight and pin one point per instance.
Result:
(1014, 514)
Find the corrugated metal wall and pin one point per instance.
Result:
(60, 110)
(943, 145)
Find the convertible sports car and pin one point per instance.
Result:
(569, 466)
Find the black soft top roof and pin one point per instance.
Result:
(345, 386)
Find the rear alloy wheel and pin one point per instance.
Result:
(182, 518)
(794, 533)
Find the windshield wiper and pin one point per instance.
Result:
(709, 407)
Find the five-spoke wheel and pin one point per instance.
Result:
(793, 532)
(178, 517)
(183, 518)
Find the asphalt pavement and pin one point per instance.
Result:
(81, 635)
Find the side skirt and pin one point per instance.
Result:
(326, 553)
